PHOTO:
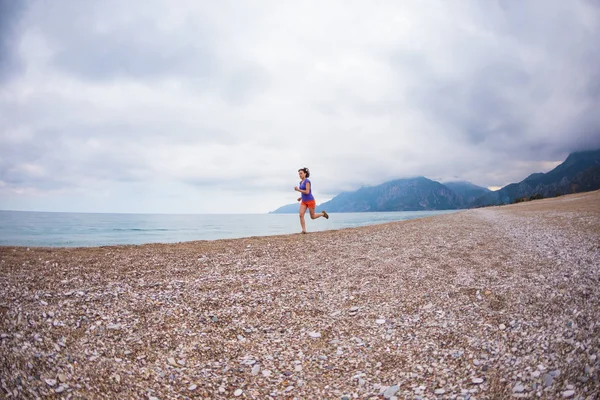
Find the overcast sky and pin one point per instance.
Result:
(212, 106)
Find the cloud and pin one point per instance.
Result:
(212, 107)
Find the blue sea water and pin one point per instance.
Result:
(55, 229)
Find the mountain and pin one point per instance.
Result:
(414, 194)
(467, 191)
(580, 172)
(287, 209)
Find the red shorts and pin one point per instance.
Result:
(309, 204)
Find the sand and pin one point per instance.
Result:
(489, 303)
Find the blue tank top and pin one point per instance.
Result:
(309, 196)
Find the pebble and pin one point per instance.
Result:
(172, 361)
(502, 327)
(60, 389)
(439, 391)
(192, 387)
(380, 321)
(50, 382)
(255, 369)
(314, 335)
(518, 388)
(477, 381)
(266, 373)
(238, 393)
(390, 391)
(62, 377)
(568, 393)
(548, 380)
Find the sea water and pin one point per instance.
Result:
(56, 229)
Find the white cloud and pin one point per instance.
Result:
(212, 107)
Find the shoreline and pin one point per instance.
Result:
(486, 303)
(158, 230)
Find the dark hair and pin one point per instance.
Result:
(306, 171)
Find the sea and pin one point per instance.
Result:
(57, 229)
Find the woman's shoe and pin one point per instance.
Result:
(325, 214)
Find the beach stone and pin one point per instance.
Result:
(548, 380)
(172, 361)
(266, 373)
(380, 321)
(536, 374)
(502, 327)
(519, 388)
(390, 391)
(439, 391)
(50, 382)
(314, 335)
(192, 387)
(568, 394)
(62, 377)
(238, 392)
(255, 369)
(60, 389)
(477, 381)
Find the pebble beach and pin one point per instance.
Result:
(489, 303)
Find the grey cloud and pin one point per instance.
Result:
(492, 106)
(131, 95)
(10, 16)
(110, 42)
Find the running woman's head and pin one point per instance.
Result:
(303, 173)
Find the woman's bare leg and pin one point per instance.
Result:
(314, 215)
(302, 211)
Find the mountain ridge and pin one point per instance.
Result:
(578, 173)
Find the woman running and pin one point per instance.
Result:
(307, 199)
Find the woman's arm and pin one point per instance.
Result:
(305, 191)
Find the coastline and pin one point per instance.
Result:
(486, 303)
(35, 229)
